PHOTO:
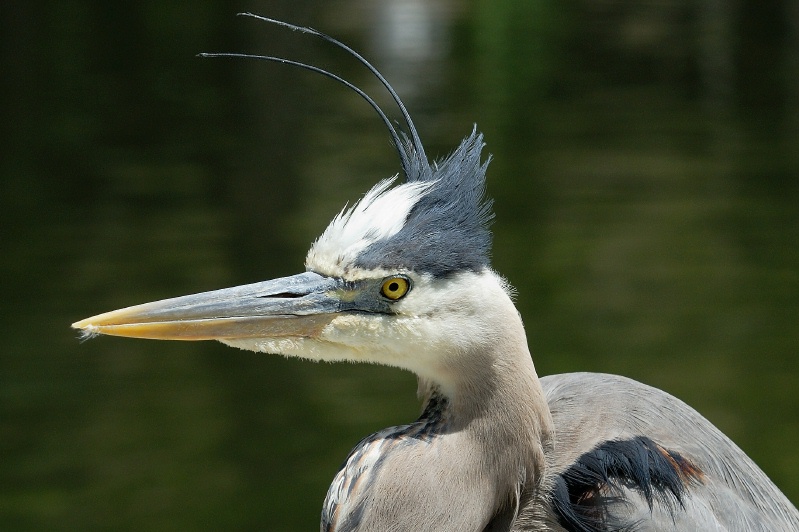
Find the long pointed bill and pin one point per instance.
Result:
(296, 306)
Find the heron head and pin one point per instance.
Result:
(401, 278)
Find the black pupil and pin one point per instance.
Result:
(393, 287)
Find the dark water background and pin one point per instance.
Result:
(645, 177)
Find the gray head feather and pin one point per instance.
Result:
(447, 230)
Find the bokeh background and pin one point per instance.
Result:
(645, 177)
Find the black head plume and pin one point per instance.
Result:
(446, 230)
(409, 146)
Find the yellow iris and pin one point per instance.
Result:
(395, 287)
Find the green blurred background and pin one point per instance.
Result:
(645, 177)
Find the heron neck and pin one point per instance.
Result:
(498, 402)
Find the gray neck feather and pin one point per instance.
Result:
(500, 405)
(471, 462)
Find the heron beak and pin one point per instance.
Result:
(296, 306)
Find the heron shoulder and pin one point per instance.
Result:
(650, 457)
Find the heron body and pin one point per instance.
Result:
(403, 278)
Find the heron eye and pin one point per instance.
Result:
(395, 288)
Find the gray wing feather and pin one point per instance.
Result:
(733, 494)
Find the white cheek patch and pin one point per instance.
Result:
(432, 333)
(307, 348)
(380, 214)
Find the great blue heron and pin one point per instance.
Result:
(403, 278)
